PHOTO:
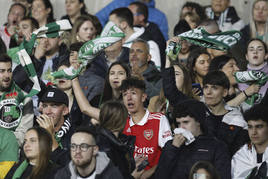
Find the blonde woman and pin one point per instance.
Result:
(259, 20)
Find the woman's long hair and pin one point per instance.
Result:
(253, 28)
(187, 81)
(108, 91)
(80, 20)
(113, 115)
(83, 10)
(193, 56)
(50, 17)
(45, 148)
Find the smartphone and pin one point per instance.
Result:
(143, 164)
(198, 86)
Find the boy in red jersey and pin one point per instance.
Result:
(152, 130)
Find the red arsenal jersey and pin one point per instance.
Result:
(152, 132)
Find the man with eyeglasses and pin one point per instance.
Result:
(87, 161)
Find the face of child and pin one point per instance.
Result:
(256, 53)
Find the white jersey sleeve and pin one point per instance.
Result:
(164, 131)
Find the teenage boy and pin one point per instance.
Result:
(251, 160)
(152, 130)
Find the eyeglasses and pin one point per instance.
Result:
(260, 9)
(83, 147)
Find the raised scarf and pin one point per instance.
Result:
(110, 34)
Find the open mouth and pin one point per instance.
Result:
(61, 81)
(6, 80)
(130, 105)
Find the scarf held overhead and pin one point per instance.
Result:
(50, 30)
(110, 34)
(220, 41)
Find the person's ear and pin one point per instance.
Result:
(225, 92)
(144, 96)
(266, 56)
(81, 5)
(246, 56)
(65, 110)
(149, 57)
(48, 10)
(95, 150)
(141, 18)
(123, 25)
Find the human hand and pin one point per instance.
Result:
(175, 39)
(46, 122)
(196, 91)
(178, 140)
(27, 36)
(40, 50)
(137, 174)
(252, 89)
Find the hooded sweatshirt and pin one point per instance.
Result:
(104, 169)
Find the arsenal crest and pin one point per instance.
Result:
(148, 134)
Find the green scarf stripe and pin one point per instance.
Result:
(110, 34)
(12, 53)
(52, 35)
(20, 170)
(52, 27)
(28, 46)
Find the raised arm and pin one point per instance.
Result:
(82, 101)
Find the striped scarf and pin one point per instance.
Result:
(221, 41)
(110, 34)
(252, 77)
(48, 31)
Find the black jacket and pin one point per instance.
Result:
(176, 162)
(119, 150)
(153, 80)
(234, 136)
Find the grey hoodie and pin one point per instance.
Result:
(104, 169)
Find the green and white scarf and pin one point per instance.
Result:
(47, 31)
(199, 36)
(51, 30)
(110, 34)
(252, 77)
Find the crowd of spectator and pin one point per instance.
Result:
(144, 106)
